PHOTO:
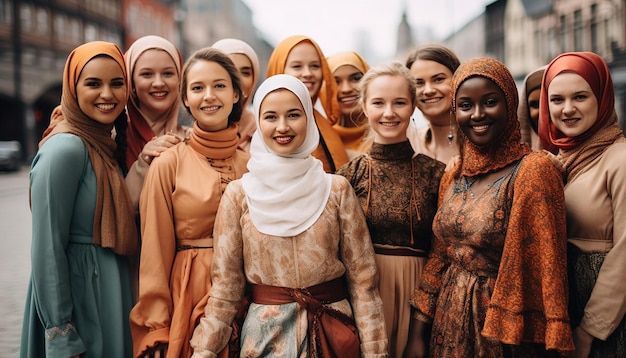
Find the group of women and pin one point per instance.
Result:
(308, 217)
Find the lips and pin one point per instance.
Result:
(349, 99)
(283, 139)
(105, 107)
(389, 124)
(210, 109)
(159, 94)
(480, 128)
(432, 100)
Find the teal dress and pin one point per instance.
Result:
(79, 295)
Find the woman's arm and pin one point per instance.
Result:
(56, 176)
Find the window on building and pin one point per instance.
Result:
(563, 32)
(7, 12)
(593, 28)
(26, 17)
(43, 24)
(578, 31)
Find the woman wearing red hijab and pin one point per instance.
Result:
(578, 117)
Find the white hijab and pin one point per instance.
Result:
(286, 194)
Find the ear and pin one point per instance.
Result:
(236, 97)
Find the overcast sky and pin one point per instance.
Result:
(337, 25)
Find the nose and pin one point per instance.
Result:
(569, 108)
(428, 88)
(282, 126)
(208, 94)
(388, 111)
(107, 92)
(344, 86)
(478, 112)
(306, 71)
(158, 80)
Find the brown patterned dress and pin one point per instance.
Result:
(398, 193)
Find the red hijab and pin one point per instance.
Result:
(595, 71)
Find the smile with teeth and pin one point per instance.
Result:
(431, 100)
(389, 124)
(481, 127)
(210, 109)
(348, 99)
(283, 139)
(105, 107)
(159, 94)
(570, 121)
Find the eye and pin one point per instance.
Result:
(439, 79)
(145, 74)
(296, 67)
(169, 74)
(295, 115)
(464, 106)
(196, 88)
(377, 103)
(556, 100)
(356, 78)
(400, 103)
(220, 85)
(533, 104)
(420, 82)
(93, 84)
(118, 84)
(269, 117)
(315, 66)
(490, 102)
(580, 97)
(246, 73)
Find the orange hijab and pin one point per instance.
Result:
(113, 225)
(328, 92)
(139, 131)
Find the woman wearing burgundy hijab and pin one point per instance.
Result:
(578, 117)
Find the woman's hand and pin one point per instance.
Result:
(158, 351)
(582, 342)
(419, 336)
(158, 145)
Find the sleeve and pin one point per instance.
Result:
(606, 306)
(55, 178)
(227, 274)
(134, 181)
(357, 255)
(151, 317)
(532, 276)
(424, 299)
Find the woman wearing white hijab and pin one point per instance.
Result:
(297, 236)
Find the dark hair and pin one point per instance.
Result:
(211, 54)
(437, 53)
(121, 123)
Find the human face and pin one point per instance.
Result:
(481, 110)
(388, 108)
(156, 82)
(573, 106)
(101, 90)
(210, 95)
(533, 104)
(246, 71)
(434, 82)
(282, 122)
(347, 78)
(305, 64)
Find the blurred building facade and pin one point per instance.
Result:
(527, 34)
(36, 37)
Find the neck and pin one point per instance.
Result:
(352, 120)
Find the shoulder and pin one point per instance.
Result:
(353, 167)
(427, 162)
(63, 148)
(615, 152)
(539, 173)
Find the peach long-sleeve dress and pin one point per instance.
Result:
(178, 206)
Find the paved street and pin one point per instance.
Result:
(15, 232)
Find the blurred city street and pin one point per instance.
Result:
(15, 237)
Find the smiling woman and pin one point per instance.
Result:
(499, 235)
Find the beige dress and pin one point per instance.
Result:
(336, 245)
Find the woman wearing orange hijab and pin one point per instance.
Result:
(302, 58)
(348, 68)
(79, 295)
